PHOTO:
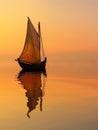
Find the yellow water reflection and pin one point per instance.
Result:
(34, 84)
(70, 101)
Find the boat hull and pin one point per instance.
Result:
(33, 67)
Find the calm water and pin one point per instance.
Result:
(67, 99)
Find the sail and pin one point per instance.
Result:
(42, 53)
(31, 51)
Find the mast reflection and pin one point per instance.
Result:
(34, 84)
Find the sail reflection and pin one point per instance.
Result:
(34, 83)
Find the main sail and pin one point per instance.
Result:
(31, 51)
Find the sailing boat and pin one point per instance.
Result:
(33, 57)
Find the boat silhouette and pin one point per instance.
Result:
(34, 84)
(33, 56)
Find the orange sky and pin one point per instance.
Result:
(67, 26)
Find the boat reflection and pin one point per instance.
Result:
(34, 83)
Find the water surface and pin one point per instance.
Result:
(68, 100)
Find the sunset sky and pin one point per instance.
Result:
(67, 25)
